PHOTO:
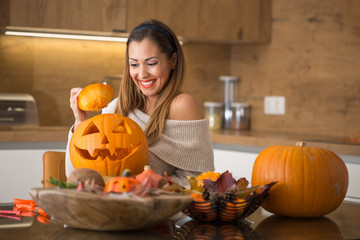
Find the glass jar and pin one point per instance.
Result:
(240, 116)
(213, 112)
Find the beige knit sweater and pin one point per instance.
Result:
(183, 149)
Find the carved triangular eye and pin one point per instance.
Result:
(121, 128)
(90, 129)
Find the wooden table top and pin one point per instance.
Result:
(343, 223)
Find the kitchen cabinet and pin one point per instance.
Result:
(353, 166)
(94, 15)
(232, 21)
(22, 168)
(238, 163)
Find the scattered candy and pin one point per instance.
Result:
(25, 208)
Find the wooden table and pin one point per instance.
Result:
(343, 223)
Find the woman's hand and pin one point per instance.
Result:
(79, 115)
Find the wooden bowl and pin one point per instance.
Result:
(85, 210)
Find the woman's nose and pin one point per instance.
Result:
(143, 73)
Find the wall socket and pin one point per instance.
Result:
(274, 105)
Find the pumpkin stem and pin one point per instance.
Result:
(300, 144)
(126, 173)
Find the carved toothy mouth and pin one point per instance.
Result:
(119, 153)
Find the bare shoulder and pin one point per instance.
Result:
(185, 107)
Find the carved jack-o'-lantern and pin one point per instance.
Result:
(109, 143)
(121, 184)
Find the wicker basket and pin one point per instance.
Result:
(221, 209)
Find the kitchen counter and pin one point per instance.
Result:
(343, 223)
(34, 134)
(257, 141)
(231, 139)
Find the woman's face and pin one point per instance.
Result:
(149, 68)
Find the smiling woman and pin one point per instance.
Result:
(149, 69)
(150, 94)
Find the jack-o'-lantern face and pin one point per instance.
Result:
(109, 143)
(121, 184)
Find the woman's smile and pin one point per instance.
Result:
(147, 83)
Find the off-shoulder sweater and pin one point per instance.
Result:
(183, 149)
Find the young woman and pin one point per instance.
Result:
(150, 94)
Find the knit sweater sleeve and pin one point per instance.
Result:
(185, 145)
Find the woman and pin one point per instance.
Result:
(150, 94)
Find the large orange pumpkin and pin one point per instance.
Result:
(95, 96)
(109, 143)
(312, 181)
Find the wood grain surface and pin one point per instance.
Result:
(312, 60)
(107, 213)
(96, 15)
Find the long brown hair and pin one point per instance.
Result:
(130, 96)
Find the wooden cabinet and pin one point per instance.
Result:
(238, 163)
(230, 21)
(94, 15)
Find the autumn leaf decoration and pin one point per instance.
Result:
(224, 184)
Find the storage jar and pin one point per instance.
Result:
(213, 112)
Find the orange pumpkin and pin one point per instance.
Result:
(95, 96)
(122, 184)
(312, 181)
(109, 143)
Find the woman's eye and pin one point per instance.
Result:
(133, 64)
(152, 64)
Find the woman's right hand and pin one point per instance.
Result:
(79, 114)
